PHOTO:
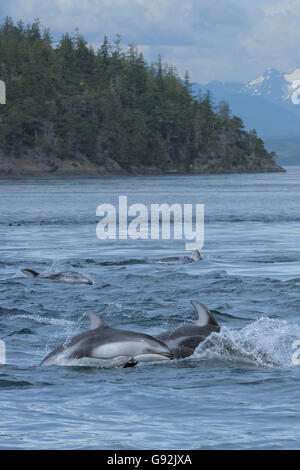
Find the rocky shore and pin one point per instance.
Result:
(39, 165)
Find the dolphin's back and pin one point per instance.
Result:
(181, 345)
(103, 341)
(71, 277)
(190, 330)
(185, 339)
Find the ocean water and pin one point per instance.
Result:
(239, 390)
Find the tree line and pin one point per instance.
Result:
(68, 99)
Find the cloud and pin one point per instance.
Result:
(213, 39)
(274, 36)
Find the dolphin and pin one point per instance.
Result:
(184, 340)
(71, 277)
(195, 256)
(116, 347)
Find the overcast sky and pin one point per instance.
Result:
(229, 40)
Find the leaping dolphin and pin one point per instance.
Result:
(116, 347)
(184, 340)
(195, 256)
(71, 277)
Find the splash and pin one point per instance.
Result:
(85, 362)
(45, 320)
(266, 342)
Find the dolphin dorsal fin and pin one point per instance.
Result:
(205, 317)
(196, 255)
(96, 321)
(30, 272)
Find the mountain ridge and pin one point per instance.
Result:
(269, 103)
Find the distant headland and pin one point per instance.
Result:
(71, 110)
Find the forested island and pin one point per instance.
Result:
(74, 110)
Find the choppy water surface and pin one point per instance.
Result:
(239, 389)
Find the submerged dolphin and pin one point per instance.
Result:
(195, 256)
(184, 340)
(71, 277)
(117, 347)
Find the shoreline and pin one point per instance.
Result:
(129, 175)
(39, 165)
(102, 172)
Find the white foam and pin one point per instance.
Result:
(45, 320)
(64, 360)
(266, 342)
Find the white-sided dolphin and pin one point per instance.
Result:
(117, 347)
(195, 256)
(71, 277)
(184, 340)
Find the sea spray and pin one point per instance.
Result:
(265, 342)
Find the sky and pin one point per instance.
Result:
(227, 40)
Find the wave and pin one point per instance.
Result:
(23, 331)
(83, 362)
(123, 262)
(88, 220)
(45, 320)
(14, 312)
(4, 383)
(266, 342)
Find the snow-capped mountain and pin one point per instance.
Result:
(270, 104)
(273, 86)
(294, 86)
(276, 86)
